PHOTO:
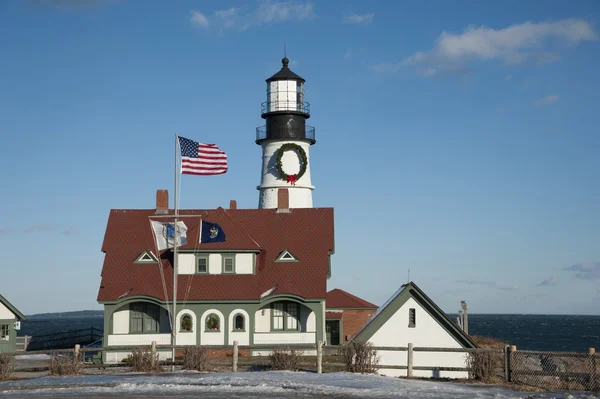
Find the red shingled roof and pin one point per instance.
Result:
(340, 299)
(306, 233)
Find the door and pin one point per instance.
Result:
(332, 332)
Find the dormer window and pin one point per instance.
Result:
(228, 264)
(202, 265)
(286, 256)
(146, 257)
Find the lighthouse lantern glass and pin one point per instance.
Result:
(285, 95)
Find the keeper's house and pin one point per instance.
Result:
(410, 316)
(10, 318)
(265, 284)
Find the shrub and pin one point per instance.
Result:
(360, 357)
(281, 359)
(488, 342)
(195, 358)
(7, 366)
(142, 360)
(64, 364)
(482, 365)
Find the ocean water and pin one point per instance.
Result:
(561, 333)
(534, 332)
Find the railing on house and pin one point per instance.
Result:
(23, 342)
(578, 371)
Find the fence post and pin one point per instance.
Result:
(235, 356)
(506, 363)
(153, 351)
(511, 364)
(409, 361)
(319, 357)
(76, 353)
(593, 376)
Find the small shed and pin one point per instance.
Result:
(9, 318)
(410, 316)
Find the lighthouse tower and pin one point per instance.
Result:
(285, 141)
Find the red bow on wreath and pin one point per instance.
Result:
(292, 179)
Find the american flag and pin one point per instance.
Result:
(201, 159)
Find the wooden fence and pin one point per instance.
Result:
(516, 366)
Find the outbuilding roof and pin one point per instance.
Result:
(395, 302)
(340, 299)
(10, 307)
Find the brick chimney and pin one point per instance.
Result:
(232, 204)
(283, 200)
(162, 202)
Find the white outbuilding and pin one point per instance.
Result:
(410, 316)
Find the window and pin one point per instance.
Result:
(202, 264)
(286, 256)
(144, 318)
(238, 323)
(146, 257)
(186, 323)
(412, 317)
(229, 264)
(213, 323)
(4, 332)
(285, 316)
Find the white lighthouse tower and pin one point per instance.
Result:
(285, 141)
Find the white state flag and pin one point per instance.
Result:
(164, 233)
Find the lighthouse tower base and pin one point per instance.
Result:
(300, 193)
(299, 197)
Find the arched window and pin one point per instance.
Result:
(187, 323)
(213, 323)
(238, 322)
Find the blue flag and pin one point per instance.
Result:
(211, 232)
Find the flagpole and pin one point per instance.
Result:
(176, 207)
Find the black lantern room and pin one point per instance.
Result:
(285, 110)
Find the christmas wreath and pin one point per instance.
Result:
(303, 162)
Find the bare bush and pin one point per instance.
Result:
(64, 364)
(142, 360)
(288, 359)
(482, 365)
(360, 357)
(195, 358)
(488, 342)
(7, 366)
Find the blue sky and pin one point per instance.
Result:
(457, 139)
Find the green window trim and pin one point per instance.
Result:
(224, 259)
(144, 318)
(235, 323)
(4, 332)
(285, 316)
(211, 321)
(205, 260)
(412, 317)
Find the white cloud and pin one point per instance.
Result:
(549, 282)
(515, 44)
(547, 100)
(266, 12)
(586, 271)
(359, 18)
(198, 19)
